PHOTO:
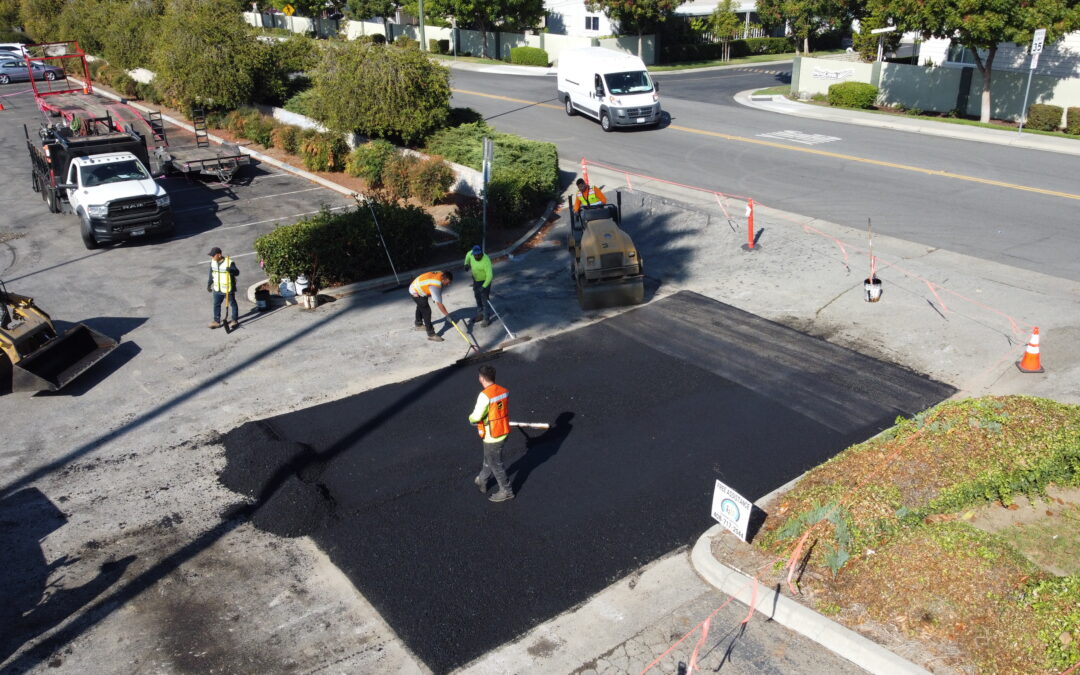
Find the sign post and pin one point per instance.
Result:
(880, 33)
(489, 155)
(731, 509)
(1037, 41)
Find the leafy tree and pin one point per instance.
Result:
(9, 14)
(130, 35)
(724, 24)
(980, 25)
(41, 18)
(635, 16)
(380, 91)
(362, 10)
(206, 55)
(807, 18)
(483, 15)
(307, 7)
(82, 20)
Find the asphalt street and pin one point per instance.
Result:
(646, 408)
(1008, 205)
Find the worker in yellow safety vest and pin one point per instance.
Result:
(587, 196)
(479, 264)
(222, 283)
(491, 415)
(429, 285)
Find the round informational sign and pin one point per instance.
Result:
(730, 509)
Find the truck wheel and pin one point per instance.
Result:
(569, 106)
(87, 233)
(605, 121)
(53, 199)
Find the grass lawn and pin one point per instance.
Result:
(888, 530)
(780, 90)
(476, 59)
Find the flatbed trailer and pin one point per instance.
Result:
(79, 106)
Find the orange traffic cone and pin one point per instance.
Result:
(1, 105)
(1030, 363)
(584, 170)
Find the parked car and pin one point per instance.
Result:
(12, 70)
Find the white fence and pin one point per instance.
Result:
(468, 42)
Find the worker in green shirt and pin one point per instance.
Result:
(479, 264)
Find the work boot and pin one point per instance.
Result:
(481, 484)
(501, 496)
(234, 325)
(418, 326)
(434, 338)
(215, 324)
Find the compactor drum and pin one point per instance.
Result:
(33, 357)
(606, 267)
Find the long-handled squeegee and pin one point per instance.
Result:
(514, 340)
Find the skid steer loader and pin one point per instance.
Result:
(34, 357)
(606, 267)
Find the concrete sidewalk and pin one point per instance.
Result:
(785, 106)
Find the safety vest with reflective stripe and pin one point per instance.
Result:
(498, 413)
(590, 197)
(422, 284)
(220, 275)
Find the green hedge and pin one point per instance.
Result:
(524, 177)
(853, 95)
(708, 52)
(1043, 117)
(1072, 121)
(529, 56)
(342, 247)
(323, 151)
(368, 161)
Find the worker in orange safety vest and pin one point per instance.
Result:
(429, 285)
(491, 415)
(587, 196)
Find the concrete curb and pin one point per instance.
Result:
(349, 289)
(509, 69)
(785, 611)
(1063, 146)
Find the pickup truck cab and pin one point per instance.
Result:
(116, 199)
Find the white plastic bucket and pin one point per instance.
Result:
(301, 284)
(872, 287)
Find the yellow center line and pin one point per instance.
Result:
(814, 151)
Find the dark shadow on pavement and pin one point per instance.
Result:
(539, 449)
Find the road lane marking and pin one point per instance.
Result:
(822, 153)
(800, 137)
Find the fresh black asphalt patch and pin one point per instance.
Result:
(648, 408)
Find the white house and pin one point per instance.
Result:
(1061, 59)
(572, 17)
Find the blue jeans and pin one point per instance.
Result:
(234, 311)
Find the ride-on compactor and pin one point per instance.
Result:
(604, 263)
(34, 357)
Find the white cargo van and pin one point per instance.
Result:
(609, 86)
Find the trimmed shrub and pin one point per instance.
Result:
(852, 95)
(261, 130)
(469, 228)
(378, 39)
(300, 103)
(1072, 121)
(324, 152)
(124, 84)
(431, 180)
(444, 46)
(237, 121)
(524, 177)
(1044, 117)
(368, 161)
(342, 247)
(397, 176)
(148, 92)
(529, 56)
(406, 42)
(286, 137)
(433, 46)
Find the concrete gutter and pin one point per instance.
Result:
(803, 620)
(786, 106)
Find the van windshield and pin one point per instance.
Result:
(635, 82)
(116, 172)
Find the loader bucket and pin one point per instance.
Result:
(57, 363)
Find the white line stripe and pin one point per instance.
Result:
(270, 220)
(237, 201)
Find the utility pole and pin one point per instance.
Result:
(420, 11)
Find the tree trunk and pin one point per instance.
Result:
(483, 33)
(806, 44)
(986, 69)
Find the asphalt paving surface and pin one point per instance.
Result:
(647, 407)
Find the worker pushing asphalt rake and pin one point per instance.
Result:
(480, 354)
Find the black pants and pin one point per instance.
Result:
(482, 294)
(423, 313)
(493, 465)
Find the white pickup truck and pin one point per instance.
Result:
(104, 180)
(116, 198)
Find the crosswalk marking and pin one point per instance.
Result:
(800, 137)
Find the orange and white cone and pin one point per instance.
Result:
(1030, 363)
(584, 170)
